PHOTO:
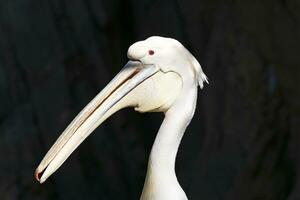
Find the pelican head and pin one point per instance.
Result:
(169, 55)
(158, 71)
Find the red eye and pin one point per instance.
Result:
(150, 52)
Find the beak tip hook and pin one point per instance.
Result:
(38, 175)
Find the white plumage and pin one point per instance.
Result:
(161, 76)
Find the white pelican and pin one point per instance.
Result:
(161, 76)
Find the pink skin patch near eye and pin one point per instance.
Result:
(150, 52)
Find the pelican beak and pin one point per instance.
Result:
(111, 99)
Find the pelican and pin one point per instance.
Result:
(160, 76)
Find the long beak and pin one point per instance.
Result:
(107, 102)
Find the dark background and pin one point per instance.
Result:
(243, 142)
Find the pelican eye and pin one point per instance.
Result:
(150, 52)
